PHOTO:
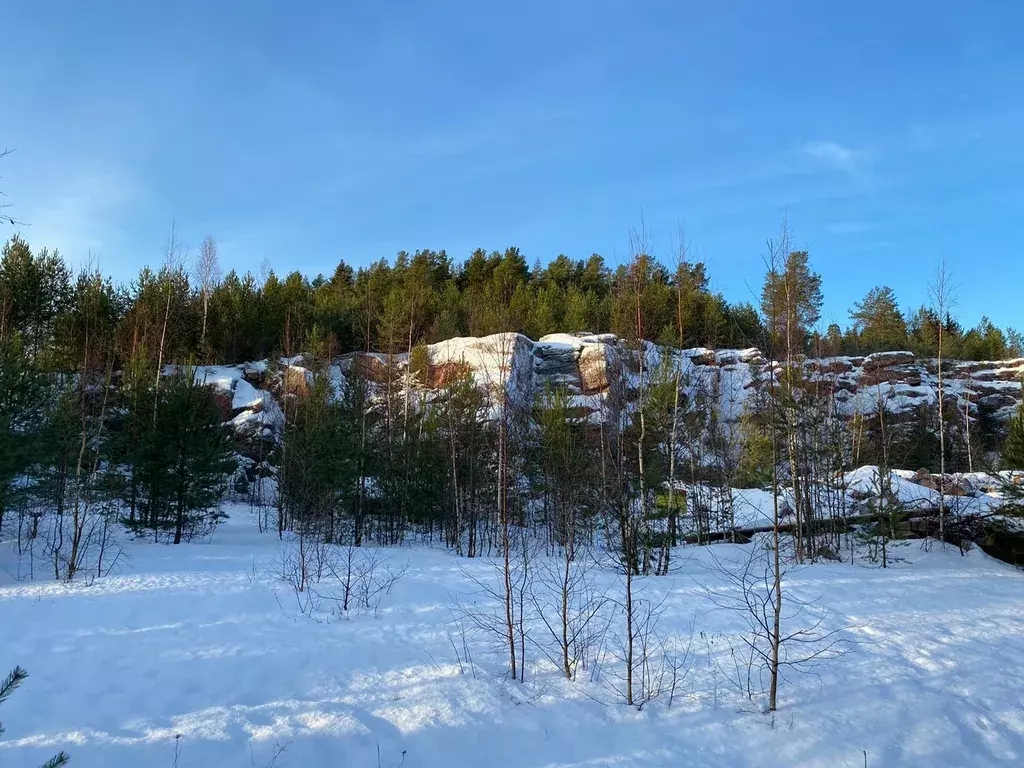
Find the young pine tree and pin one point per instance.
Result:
(180, 455)
(24, 393)
(7, 687)
(200, 451)
(313, 464)
(1013, 449)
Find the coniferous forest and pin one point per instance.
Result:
(107, 424)
(688, 431)
(187, 309)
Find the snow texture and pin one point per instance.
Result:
(201, 647)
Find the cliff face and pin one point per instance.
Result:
(602, 375)
(598, 370)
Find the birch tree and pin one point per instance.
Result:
(207, 276)
(942, 295)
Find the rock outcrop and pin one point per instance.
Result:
(601, 373)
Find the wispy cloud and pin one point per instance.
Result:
(79, 211)
(834, 154)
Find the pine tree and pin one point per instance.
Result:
(34, 293)
(311, 471)
(10, 684)
(24, 393)
(560, 465)
(984, 342)
(178, 454)
(1013, 449)
(202, 451)
(461, 415)
(792, 297)
(877, 321)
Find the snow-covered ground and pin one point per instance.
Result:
(196, 656)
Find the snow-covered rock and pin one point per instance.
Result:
(602, 373)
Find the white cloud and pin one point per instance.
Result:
(834, 154)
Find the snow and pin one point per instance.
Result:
(500, 362)
(867, 480)
(246, 395)
(562, 341)
(511, 363)
(220, 376)
(202, 641)
(257, 408)
(753, 507)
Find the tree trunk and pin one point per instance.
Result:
(942, 449)
(629, 636)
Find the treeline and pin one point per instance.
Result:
(458, 461)
(101, 422)
(189, 310)
(82, 454)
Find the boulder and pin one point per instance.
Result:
(900, 375)
(295, 381)
(223, 400)
(996, 401)
(887, 360)
(1009, 374)
(830, 366)
(370, 367)
(752, 356)
(446, 374)
(255, 374)
(700, 356)
(844, 384)
(593, 369)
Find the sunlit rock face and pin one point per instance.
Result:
(603, 376)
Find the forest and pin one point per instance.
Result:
(188, 309)
(450, 385)
(108, 422)
(351, 419)
(105, 419)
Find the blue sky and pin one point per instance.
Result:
(890, 133)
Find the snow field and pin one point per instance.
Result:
(202, 642)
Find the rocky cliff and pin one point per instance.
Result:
(602, 375)
(592, 368)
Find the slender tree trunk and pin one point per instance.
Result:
(179, 521)
(629, 634)
(566, 666)
(160, 355)
(206, 306)
(942, 449)
(967, 429)
(641, 440)
(776, 634)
